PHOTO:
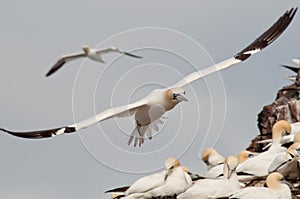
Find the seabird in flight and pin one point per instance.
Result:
(151, 108)
(93, 54)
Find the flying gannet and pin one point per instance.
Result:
(93, 54)
(150, 108)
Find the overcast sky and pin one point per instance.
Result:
(175, 38)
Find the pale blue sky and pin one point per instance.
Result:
(175, 38)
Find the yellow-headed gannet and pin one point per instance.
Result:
(287, 163)
(259, 164)
(277, 189)
(215, 188)
(212, 158)
(173, 181)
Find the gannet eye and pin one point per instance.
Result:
(174, 96)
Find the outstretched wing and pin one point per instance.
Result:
(114, 49)
(109, 113)
(261, 42)
(64, 60)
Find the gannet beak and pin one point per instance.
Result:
(169, 171)
(180, 98)
(286, 182)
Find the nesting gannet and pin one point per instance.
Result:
(93, 54)
(217, 170)
(259, 164)
(245, 155)
(277, 189)
(295, 128)
(174, 180)
(147, 183)
(215, 188)
(211, 158)
(176, 183)
(287, 163)
(150, 108)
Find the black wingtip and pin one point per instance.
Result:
(268, 36)
(294, 69)
(132, 55)
(119, 189)
(41, 133)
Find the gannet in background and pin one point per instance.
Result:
(277, 189)
(174, 180)
(259, 164)
(150, 108)
(295, 128)
(93, 54)
(147, 183)
(287, 163)
(293, 78)
(212, 158)
(218, 170)
(177, 182)
(245, 155)
(296, 61)
(165, 182)
(215, 188)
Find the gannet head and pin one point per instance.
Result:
(280, 128)
(244, 155)
(176, 94)
(274, 180)
(86, 49)
(207, 154)
(170, 165)
(294, 150)
(230, 164)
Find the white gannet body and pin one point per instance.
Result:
(259, 164)
(215, 188)
(287, 163)
(277, 189)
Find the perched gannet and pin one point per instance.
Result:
(214, 188)
(212, 158)
(277, 189)
(148, 182)
(93, 54)
(159, 183)
(245, 155)
(150, 108)
(176, 183)
(218, 170)
(295, 128)
(259, 164)
(287, 163)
